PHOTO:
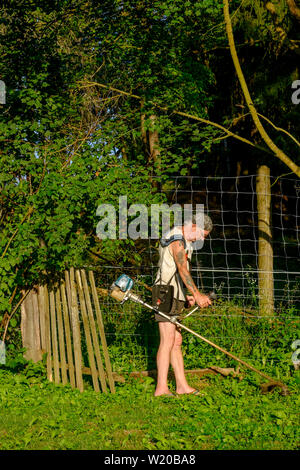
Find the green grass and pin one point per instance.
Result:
(232, 414)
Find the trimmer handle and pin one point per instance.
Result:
(212, 295)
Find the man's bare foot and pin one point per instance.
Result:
(166, 393)
(185, 391)
(194, 391)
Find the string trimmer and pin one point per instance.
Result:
(121, 291)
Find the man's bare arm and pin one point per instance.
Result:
(179, 254)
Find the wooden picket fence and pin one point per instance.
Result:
(63, 322)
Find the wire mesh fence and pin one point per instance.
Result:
(229, 259)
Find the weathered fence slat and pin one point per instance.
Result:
(87, 332)
(54, 338)
(76, 332)
(68, 294)
(37, 352)
(66, 320)
(94, 332)
(48, 334)
(61, 341)
(42, 316)
(30, 327)
(101, 331)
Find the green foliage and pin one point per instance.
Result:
(67, 144)
(61, 147)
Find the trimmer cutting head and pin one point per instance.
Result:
(270, 386)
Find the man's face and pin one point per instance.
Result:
(195, 233)
(199, 233)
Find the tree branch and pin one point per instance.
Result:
(180, 113)
(294, 9)
(28, 213)
(279, 29)
(12, 313)
(277, 151)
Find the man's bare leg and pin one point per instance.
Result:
(163, 358)
(178, 365)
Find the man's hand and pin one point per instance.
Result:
(202, 300)
(191, 300)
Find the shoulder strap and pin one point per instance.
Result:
(167, 241)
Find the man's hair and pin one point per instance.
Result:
(207, 222)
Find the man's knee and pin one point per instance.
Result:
(167, 334)
(177, 340)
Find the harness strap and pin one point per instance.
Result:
(167, 241)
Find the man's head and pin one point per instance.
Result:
(194, 229)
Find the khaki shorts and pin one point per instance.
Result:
(177, 308)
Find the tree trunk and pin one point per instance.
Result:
(143, 128)
(154, 148)
(265, 249)
(154, 140)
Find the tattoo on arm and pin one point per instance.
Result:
(180, 260)
(188, 280)
(179, 255)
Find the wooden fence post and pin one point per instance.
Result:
(265, 249)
